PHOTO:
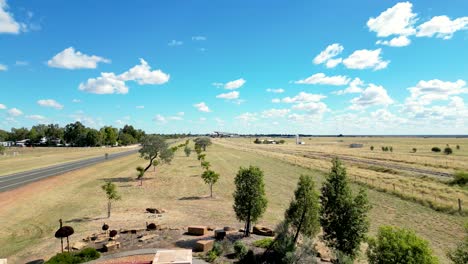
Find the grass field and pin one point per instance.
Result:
(32, 212)
(33, 158)
(432, 191)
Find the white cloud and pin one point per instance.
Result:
(275, 100)
(365, 59)
(247, 117)
(229, 96)
(3, 67)
(14, 112)
(37, 118)
(235, 84)
(7, 22)
(50, 103)
(143, 74)
(400, 41)
(275, 90)
(159, 118)
(21, 63)
(303, 97)
(275, 113)
(397, 20)
(199, 38)
(312, 108)
(174, 43)
(371, 96)
(217, 84)
(110, 83)
(2, 106)
(202, 107)
(107, 83)
(163, 119)
(140, 107)
(321, 78)
(442, 27)
(71, 59)
(76, 101)
(425, 92)
(328, 54)
(355, 86)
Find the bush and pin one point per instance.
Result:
(2, 149)
(460, 178)
(263, 243)
(448, 151)
(372, 148)
(460, 254)
(435, 149)
(83, 256)
(240, 249)
(88, 254)
(257, 141)
(458, 147)
(210, 256)
(414, 150)
(395, 245)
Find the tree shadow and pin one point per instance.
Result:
(119, 179)
(84, 219)
(37, 261)
(188, 198)
(195, 175)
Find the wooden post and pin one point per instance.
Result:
(393, 187)
(459, 205)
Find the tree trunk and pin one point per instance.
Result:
(150, 163)
(211, 190)
(300, 224)
(108, 209)
(247, 229)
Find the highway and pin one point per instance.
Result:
(16, 180)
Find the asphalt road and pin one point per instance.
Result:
(12, 181)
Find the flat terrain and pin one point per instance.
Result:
(24, 159)
(30, 214)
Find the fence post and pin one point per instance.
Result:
(459, 205)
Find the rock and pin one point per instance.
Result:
(147, 237)
(155, 210)
(211, 228)
(263, 231)
(204, 245)
(78, 245)
(229, 229)
(220, 234)
(111, 246)
(197, 230)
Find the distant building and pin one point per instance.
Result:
(7, 143)
(22, 143)
(223, 134)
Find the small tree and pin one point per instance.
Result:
(257, 141)
(249, 197)
(394, 245)
(203, 142)
(141, 172)
(448, 151)
(435, 149)
(458, 147)
(201, 157)
(391, 149)
(372, 148)
(111, 192)
(210, 177)
(460, 254)
(2, 149)
(155, 164)
(198, 149)
(344, 234)
(187, 151)
(205, 165)
(166, 156)
(152, 148)
(414, 150)
(303, 210)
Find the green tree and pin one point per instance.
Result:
(2, 149)
(395, 245)
(250, 201)
(460, 254)
(210, 177)
(201, 157)
(303, 211)
(205, 165)
(448, 151)
(187, 151)
(344, 234)
(111, 192)
(166, 156)
(74, 134)
(126, 139)
(93, 138)
(109, 135)
(155, 164)
(198, 149)
(153, 147)
(203, 142)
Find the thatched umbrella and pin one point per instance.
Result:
(64, 231)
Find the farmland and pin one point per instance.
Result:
(27, 234)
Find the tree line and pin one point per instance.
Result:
(74, 134)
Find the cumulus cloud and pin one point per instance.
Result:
(396, 20)
(303, 97)
(442, 27)
(50, 103)
(355, 86)
(312, 108)
(321, 78)
(3, 67)
(174, 43)
(371, 96)
(275, 90)
(236, 84)
(140, 107)
(110, 83)
(247, 117)
(327, 55)
(8, 24)
(37, 118)
(202, 107)
(2, 106)
(229, 96)
(276, 100)
(163, 119)
(76, 101)
(198, 38)
(275, 113)
(400, 41)
(14, 112)
(366, 59)
(71, 59)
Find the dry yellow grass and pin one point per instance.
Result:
(33, 158)
(432, 193)
(32, 212)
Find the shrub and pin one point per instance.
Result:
(263, 243)
(257, 141)
(460, 254)
(217, 249)
(281, 141)
(88, 254)
(460, 178)
(414, 150)
(372, 148)
(435, 149)
(210, 256)
(391, 149)
(240, 249)
(84, 255)
(395, 245)
(2, 149)
(448, 151)
(458, 147)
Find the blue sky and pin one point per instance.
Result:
(317, 67)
